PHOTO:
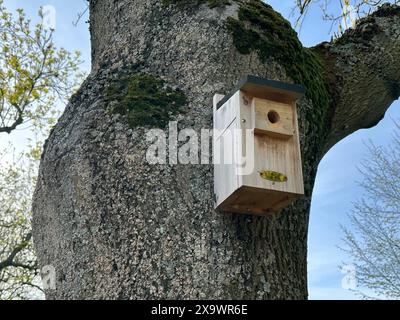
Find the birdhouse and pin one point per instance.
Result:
(257, 160)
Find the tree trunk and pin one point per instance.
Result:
(116, 227)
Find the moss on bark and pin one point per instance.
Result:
(145, 100)
(261, 29)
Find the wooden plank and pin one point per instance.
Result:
(273, 118)
(248, 200)
(225, 121)
(266, 89)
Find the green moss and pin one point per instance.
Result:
(145, 100)
(211, 3)
(259, 28)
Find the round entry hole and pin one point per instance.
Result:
(273, 116)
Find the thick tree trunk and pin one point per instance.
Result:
(114, 226)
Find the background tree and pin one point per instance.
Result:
(18, 268)
(34, 74)
(35, 79)
(374, 239)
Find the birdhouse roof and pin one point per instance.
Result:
(268, 89)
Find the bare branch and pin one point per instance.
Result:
(9, 262)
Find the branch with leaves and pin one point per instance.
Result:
(36, 79)
(34, 74)
(18, 267)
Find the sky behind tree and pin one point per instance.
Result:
(336, 185)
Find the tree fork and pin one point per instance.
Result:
(114, 226)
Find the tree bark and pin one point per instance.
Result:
(116, 227)
(366, 69)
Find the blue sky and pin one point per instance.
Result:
(336, 186)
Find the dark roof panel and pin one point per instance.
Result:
(266, 88)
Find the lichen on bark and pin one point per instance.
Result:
(145, 100)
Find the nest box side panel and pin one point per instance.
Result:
(225, 123)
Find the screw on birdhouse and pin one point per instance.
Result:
(245, 101)
(244, 120)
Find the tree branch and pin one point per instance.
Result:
(9, 262)
(363, 71)
(17, 122)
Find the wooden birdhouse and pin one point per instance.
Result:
(257, 160)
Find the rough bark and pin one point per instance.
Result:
(114, 226)
(366, 72)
